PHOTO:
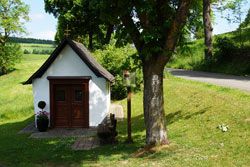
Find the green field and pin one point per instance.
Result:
(193, 112)
(31, 46)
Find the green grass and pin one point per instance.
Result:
(193, 111)
(31, 46)
(192, 57)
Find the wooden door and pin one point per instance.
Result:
(79, 114)
(62, 106)
(71, 106)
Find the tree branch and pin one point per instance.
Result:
(174, 32)
(134, 32)
(143, 17)
(162, 11)
(108, 34)
(2, 42)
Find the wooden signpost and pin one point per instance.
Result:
(129, 81)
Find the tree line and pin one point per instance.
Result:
(30, 40)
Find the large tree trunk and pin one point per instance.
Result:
(208, 29)
(154, 115)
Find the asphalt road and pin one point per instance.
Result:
(232, 81)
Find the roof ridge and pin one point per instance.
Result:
(82, 52)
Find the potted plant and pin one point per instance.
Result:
(42, 119)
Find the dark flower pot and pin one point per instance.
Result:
(42, 124)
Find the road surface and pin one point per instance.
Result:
(232, 81)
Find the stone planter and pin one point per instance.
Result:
(42, 124)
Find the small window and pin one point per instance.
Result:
(60, 95)
(78, 95)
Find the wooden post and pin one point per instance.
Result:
(129, 139)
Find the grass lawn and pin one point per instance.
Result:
(193, 111)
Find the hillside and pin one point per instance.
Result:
(192, 117)
(229, 55)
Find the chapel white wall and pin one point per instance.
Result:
(68, 63)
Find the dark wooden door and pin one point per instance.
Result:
(71, 106)
(79, 114)
(62, 105)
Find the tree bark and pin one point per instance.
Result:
(208, 29)
(108, 34)
(4, 71)
(154, 115)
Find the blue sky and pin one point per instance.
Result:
(221, 25)
(43, 25)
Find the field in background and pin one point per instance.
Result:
(31, 46)
(193, 112)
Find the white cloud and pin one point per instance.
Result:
(36, 17)
(43, 35)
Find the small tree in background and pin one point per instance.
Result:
(13, 13)
(10, 54)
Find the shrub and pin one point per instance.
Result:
(26, 51)
(41, 104)
(45, 52)
(35, 51)
(226, 49)
(115, 60)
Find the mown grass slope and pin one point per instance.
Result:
(236, 60)
(193, 111)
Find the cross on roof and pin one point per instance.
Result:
(67, 31)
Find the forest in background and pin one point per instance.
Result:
(30, 40)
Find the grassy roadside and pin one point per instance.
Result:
(193, 111)
(234, 60)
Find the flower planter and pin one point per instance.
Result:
(42, 124)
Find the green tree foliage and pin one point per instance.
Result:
(35, 51)
(81, 16)
(26, 51)
(9, 55)
(235, 7)
(13, 13)
(42, 52)
(246, 22)
(115, 60)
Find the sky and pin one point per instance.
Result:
(221, 25)
(43, 25)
